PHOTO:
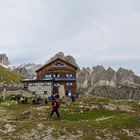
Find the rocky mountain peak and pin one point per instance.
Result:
(109, 74)
(27, 70)
(98, 69)
(59, 55)
(125, 72)
(125, 76)
(4, 59)
(110, 70)
(83, 77)
(70, 59)
(86, 69)
(123, 84)
(98, 76)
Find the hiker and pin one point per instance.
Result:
(21, 99)
(50, 98)
(34, 101)
(24, 101)
(39, 99)
(55, 107)
(72, 98)
(46, 102)
(57, 95)
(63, 100)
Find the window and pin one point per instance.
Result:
(57, 84)
(45, 92)
(62, 65)
(42, 84)
(69, 75)
(69, 84)
(48, 84)
(59, 64)
(48, 76)
(36, 84)
(56, 75)
(33, 92)
(30, 84)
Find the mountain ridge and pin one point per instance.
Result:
(121, 83)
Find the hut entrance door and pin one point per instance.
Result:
(55, 89)
(61, 91)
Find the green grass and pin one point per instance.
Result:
(89, 115)
(73, 119)
(7, 76)
(121, 122)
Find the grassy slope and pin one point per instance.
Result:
(74, 119)
(6, 76)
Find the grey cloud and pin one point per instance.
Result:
(94, 31)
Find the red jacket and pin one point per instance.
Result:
(54, 105)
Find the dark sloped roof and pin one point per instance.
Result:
(47, 64)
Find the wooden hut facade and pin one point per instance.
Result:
(57, 76)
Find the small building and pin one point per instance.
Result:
(57, 76)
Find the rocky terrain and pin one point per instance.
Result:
(27, 70)
(89, 118)
(70, 59)
(121, 84)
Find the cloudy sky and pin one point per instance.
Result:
(95, 32)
